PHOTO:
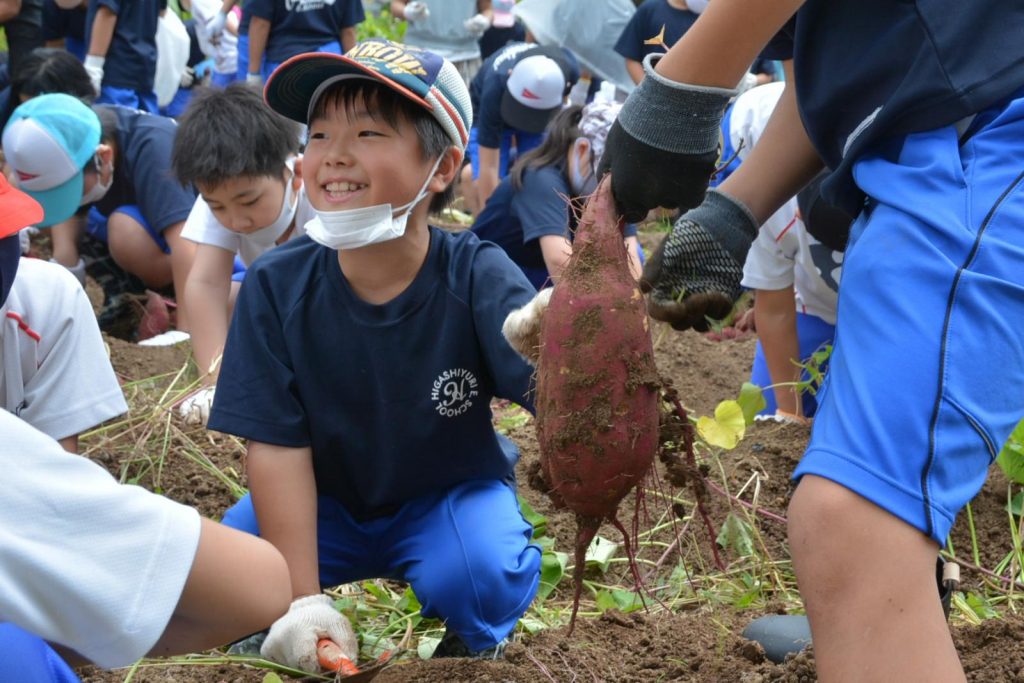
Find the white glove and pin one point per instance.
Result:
(195, 409)
(292, 639)
(477, 25)
(215, 26)
(416, 11)
(254, 79)
(94, 67)
(522, 326)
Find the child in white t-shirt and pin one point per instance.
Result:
(241, 157)
(54, 370)
(795, 277)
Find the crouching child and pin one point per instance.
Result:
(362, 359)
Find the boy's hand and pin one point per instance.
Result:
(522, 326)
(695, 273)
(195, 409)
(663, 147)
(293, 638)
(416, 11)
(477, 25)
(94, 67)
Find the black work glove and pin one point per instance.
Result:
(695, 273)
(663, 146)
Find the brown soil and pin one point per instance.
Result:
(699, 642)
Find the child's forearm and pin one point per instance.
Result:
(259, 32)
(208, 305)
(102, 32)
(635, 70)
(347, 38)
(719, 48)
(780, 164)
(775, 311)
(285, 499)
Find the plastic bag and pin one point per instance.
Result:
(172, 50)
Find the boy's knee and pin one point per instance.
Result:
(822, 514)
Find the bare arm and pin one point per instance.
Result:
(775, 311)
(719, 48)
(556, 251)
(238, 584)
(347, 38)
(9, 9)
(183, 253)
(259, 32)
(783, 156)
(635, 70)
(228, 5)
(69, 443)
(284, 496)
(398, 8)
(102, 32)
(207, 295)
(488, 180)
(632, 244)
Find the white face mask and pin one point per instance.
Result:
(696, 6)
(355, 228)
(581, 185)
(99, 190)
(268, 236)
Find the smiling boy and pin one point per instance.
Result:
(362, 359)
(241, 157)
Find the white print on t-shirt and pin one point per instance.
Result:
(306, 5)
(453, 392)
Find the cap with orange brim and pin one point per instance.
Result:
(17, 209)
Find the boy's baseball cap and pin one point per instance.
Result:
(502, 13)
(48, 142)
(535, 89)
(427, 79)
(17, 209)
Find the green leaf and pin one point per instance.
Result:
(532, 625)
(600, 553)
(552, 569)
(1011, 457)
(751, 401)
(605, 600)
(409, 603)
(537, 520)
(1016, 504)
(735, 535)
(726, 428)
(272, 677)
(627, 601)
(426, 647)
(980, 607)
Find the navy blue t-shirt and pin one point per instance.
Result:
(495, 38)
(298, 26)
(654, 28)
(488, 87)
(131, 58)
(142, 169)
(393, 399)
(875, 70)
(515, 220)
(59, 24)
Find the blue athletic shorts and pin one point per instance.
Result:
(333, 47)
(126, 97)
(27, 658)
(96, 225)
(813, 334)
(513, 143)
(927, 374)
(466, 552)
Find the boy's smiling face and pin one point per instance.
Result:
(354, 159)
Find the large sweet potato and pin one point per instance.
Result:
(597, 400)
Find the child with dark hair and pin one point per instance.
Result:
(117, 161)
(121, 58)
(362, 359)
(241, 156)
(47, 70)
(533, 213)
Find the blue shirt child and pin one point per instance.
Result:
(67, 25)
(130, 66)
(653, 29)
(299, 26)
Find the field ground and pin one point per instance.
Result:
(690, 628)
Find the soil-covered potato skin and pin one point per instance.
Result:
(699, 643)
